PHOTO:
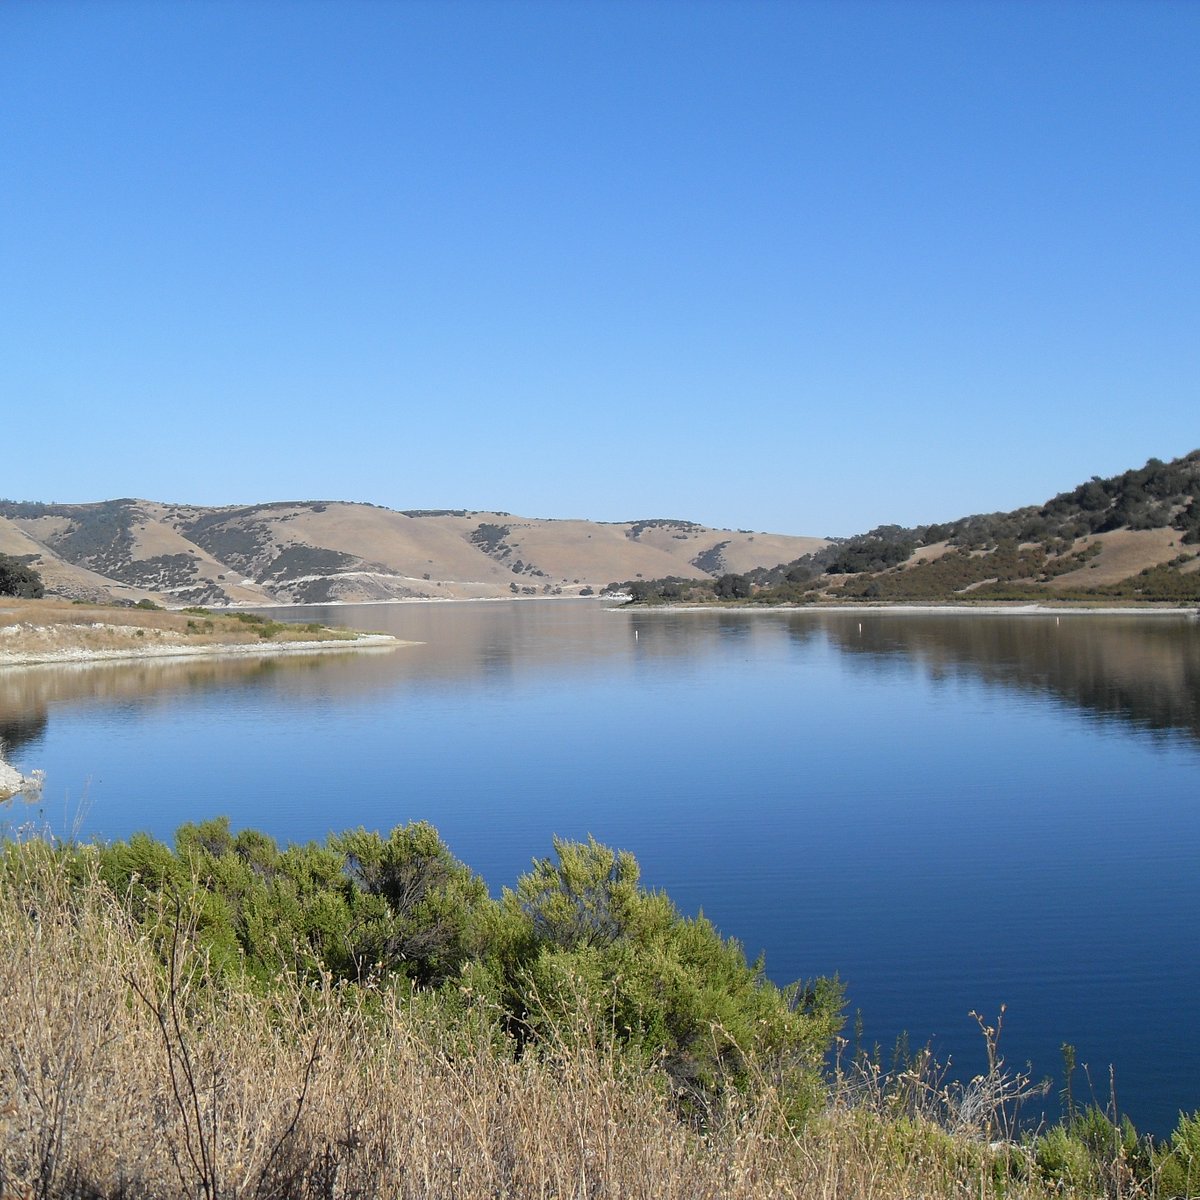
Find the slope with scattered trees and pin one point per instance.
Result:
(1035, 552)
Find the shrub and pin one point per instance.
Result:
(582, 929)
(413, 907)
(577, 931)
(1093, 1153)
(17, 578)
(1178, 1164)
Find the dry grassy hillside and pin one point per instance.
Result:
(60, 577)
(321, 552)
(1123, 552)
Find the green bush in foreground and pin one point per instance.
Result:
(577, 932)
(579, 929)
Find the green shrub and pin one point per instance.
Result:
(1094, 1154)
(1177, 1165)
(578, 933)
(413, 907)
(581, 930)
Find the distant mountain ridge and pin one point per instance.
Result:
(313, 552)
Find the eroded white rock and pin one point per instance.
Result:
(13, 783)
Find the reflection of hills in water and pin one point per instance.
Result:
(27, 693)
(454, 646)
(1143, 671)
(18, 728)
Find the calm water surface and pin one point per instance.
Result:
(951, 812)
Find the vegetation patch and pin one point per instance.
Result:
(298, 561)
(231, 538)
(18, 578)
(637, 528)
(711, 560)
(225, 1017)
(98, 536)
(994, 557)
(492, 539)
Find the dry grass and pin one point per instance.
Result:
(50, 629)
(121, 1076)
(410, 549)
(1124, 552)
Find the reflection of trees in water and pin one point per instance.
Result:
(668, 634)
(496, 657)
(1143, 671)
(801, 630)
(21, 730)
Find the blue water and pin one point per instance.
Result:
(951, 812)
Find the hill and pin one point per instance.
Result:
(315, 552)
(1131, 537)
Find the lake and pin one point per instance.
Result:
(950, 811)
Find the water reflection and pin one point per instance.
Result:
(28, 694)
(19, 728)
(1143, 671)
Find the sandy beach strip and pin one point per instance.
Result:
(76, 654)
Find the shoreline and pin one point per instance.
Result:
(82, 657)
(615, 603)
(987, 610)
(394, 600)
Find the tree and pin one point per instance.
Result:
(733, 587)
(18, 579)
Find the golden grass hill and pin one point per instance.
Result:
(319, 552)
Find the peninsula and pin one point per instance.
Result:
(35, 631)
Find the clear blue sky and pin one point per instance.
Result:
(802, 267)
